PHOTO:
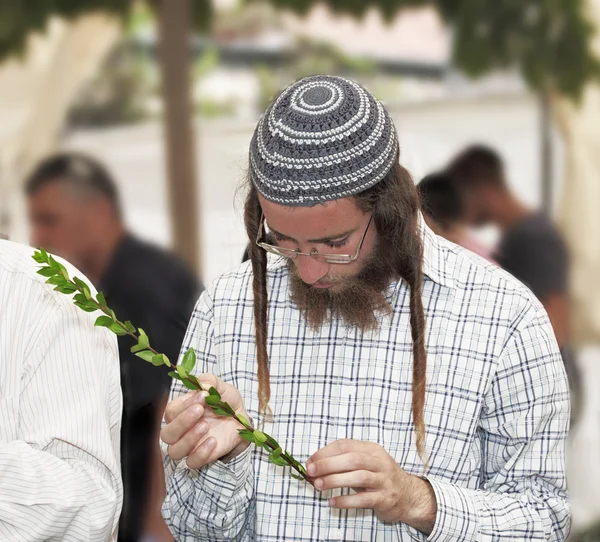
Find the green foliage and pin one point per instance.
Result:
(58, 276)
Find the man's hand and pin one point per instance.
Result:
(381, 484)
(194, 431)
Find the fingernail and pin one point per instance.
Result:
(206, 385)
(201, 428)
(204, 393)
(319, 483)
(210, 443)
(197, 410)
(331, 502)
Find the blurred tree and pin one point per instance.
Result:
(176, 18)
(548, 40)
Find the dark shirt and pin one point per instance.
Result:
(534, 252)
(153, 290)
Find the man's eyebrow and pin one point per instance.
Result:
(320, 240)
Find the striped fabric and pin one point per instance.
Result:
(497, 410)
(60, 412)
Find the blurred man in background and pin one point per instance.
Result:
(530, 248)
(74, 211)
(444, 211)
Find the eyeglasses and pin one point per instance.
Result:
(293, 254)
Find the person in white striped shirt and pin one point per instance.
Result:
(60, 412)
(421, 385)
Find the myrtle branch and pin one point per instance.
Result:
(58, 276)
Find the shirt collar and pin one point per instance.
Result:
(435, 256)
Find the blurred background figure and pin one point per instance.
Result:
(74, 211)
(530, 248)
(444, 212)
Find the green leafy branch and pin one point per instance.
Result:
(58, 276)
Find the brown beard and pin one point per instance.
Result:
(356, 299)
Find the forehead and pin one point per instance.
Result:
(56, 194)
(320, 220)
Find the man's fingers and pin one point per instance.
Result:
(364, 499)
(343, 463)
(178, 427)
(358, 478)
(178, 405)
(201, 455)
(345, 446)
(188, 442)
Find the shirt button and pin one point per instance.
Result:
(337, 534)
(350, 390)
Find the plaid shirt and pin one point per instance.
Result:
(496, 413)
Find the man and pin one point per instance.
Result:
(74, 211)
(531, 248)
(444, 212)
(60, 412)
(371, 349)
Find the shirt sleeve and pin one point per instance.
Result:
(60, 476)
(216, 502)
(523, 429)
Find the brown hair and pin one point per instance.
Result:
(394, 204)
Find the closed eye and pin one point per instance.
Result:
(337, 244)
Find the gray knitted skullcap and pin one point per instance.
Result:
(323, 138)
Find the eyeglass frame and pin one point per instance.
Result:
(292, 254)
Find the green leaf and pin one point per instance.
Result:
(57, 280)
(86, 307)
(259, 437)
(100, 298)
(213, 391)
(130, 326)
(279, 461)
(275, 453)
(44, 254)
(104, 321)
(248, 435)
(143, 340)
(37, 256)
(220, 412)
(80, 298)
(157, 360)
(161, 359)
(47, 272)
(243, 420)
(189, 360)
(182, 372)
(66, 289)
(137, 348)
(189, 385)
(146, 355)
(53, 263)
(296, 476)
(64, 273)
(272, 442)
(212, 400)
(227, 407)
(117, 329)
(174, 375)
